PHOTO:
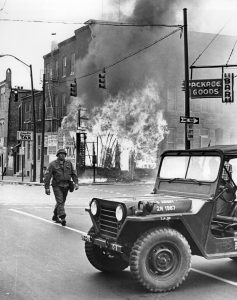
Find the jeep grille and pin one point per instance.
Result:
(107, 221)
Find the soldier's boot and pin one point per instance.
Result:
(63, 220)
(56, 219)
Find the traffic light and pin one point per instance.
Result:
(73, 88)
(183, 86)
(15, 92)
(190, 131)
(102, 80)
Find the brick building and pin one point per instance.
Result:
(5, 90)
(217, 120)
(65, 63)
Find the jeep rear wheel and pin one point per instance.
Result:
(160, 259)
(103, 259)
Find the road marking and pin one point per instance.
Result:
(215, 277)
(45, 220)
(108, 191)
(43, 207)
(68, 206)
(82, 232)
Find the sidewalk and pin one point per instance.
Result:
(26, 181)
(18, 180)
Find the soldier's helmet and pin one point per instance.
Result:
(61, 151)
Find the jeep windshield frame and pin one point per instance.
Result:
(196, 167)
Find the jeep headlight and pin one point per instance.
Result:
(94, 207)
(119, 213)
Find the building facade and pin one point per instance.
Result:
(217, 119)
(64, 64)
(5, 91)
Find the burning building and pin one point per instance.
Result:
(137, 115)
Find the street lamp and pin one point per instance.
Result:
(33, 108)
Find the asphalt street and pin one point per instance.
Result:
(43, 260)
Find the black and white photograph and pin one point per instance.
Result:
(118, 149)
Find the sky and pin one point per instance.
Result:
(27, 26)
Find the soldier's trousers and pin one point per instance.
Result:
(60, 194)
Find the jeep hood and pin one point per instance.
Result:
(160, 203)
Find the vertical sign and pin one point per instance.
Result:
(228, 88)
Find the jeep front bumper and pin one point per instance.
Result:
(102, 243)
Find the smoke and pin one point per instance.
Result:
(110, 43)
(130, 107)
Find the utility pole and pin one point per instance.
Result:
(186, 76)
(78, 142)
(43, 132)
(2, 165)
(34, 124)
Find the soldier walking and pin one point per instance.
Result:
(61, 171)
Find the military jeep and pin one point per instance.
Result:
(157, 234)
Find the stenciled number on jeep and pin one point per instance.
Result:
(235, 241)
(114, 247)
(166, 208)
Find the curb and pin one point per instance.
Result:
(80, 183)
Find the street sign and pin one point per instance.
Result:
(81, 129)
(22, 151)
(53, 140)
(192, 120)
(228, 88)
(206, 88)
(25, 135)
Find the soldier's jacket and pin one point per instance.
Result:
(61, 174)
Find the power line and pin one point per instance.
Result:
(122, 24)
(96, 22)
(231, 53)
(41, 21)
(130, 55)
(218, 33)
(4, 4)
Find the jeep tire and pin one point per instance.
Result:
(160, 259)
(102, 259)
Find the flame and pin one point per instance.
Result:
(136, 121)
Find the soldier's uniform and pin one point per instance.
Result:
(225, 202)
(61, 172)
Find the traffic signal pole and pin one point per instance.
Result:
(78, 142)
(186, 76)
(43, 133)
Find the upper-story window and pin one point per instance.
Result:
(27, 111)
(64, 66)
(47, 71)
(171, 138)
(171, 99)
(27, 107)
(1, 129)
(38, 109)
(64, 106)
(56, 69)
(72, 64)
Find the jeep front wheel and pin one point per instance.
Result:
(102, 259)
(234, 258)
(160, 259)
